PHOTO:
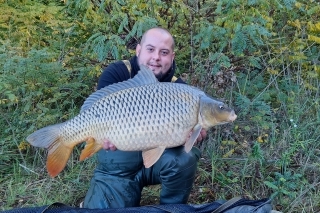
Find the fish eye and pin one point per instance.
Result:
(221, 107)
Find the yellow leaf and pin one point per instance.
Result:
(314, 38)
(272, 71)
(317, 26)
(310, 87)
(284, 49)
(260, 140)
(314, 27)
(268, 18)
(298, 5)
(269, 26)
(298, 57)
(23, 146)
(295, 23)
(229, 143)
(228, 154)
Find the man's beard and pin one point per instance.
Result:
(159, 76)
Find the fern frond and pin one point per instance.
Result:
(255, 62)
(244, 103)
(289, 3)
(239, 42)
(253, 2)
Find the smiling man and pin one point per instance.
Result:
(120, 176)
(156, 51)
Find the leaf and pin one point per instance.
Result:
(228, 142)
(314, 38)
(255, 62)
(252, 2)
(313, 10)
(239, 43)
(286, 192)
(289, 3)
(204, 37)
(247, 128)
(124, 23)
(271, 185)
(229, 153)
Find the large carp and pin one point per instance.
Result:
(138, 114)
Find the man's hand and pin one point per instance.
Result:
(202, 135)
(107, 145)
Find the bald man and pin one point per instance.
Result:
(120, 176)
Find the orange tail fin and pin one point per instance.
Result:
(58, 153)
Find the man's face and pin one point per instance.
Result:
(155, 52)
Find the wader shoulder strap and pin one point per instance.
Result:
(173, 79)
(128, 65)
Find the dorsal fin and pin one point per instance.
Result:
(144, 77)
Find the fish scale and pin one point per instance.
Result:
(144, 118)
(156, 103)
(138, 114)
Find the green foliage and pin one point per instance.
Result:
(257, 153)
(284, 184)
(30, 24)
(37, 85)
(289, 3)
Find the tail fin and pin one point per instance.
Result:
(58, 153)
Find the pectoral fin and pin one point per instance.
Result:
(193, 137)
(91, 147)
(151, 156)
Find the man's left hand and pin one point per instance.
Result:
(202, 135)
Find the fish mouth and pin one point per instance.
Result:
(232, 117)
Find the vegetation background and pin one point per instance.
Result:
(261, 57)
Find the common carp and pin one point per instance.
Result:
(139, 114)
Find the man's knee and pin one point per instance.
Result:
(177, 157)
(107, 191)
(174, 165)
(119, 163)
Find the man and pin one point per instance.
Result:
(120, 176)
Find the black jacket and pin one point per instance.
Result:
(118, 72)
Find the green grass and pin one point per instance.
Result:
(33, 187)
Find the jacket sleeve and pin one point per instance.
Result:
(114, 73)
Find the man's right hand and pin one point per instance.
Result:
(107, 145)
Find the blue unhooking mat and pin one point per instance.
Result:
(235, 206)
